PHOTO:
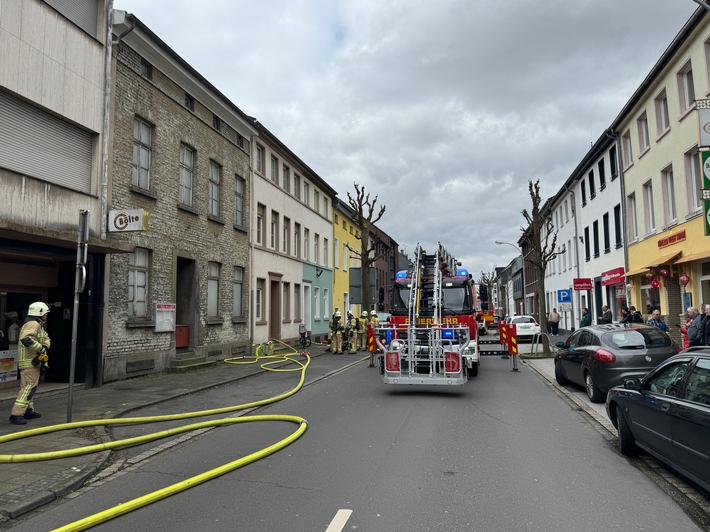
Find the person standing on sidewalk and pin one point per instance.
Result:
(657, 321)
(32, 356)
(362, 332)
(695, 331)
(606, 316)
(554, 320)
(586, 320)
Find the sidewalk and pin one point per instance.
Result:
(29, 485)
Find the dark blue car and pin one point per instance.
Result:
(667, 414)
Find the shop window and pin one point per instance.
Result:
(651, 298)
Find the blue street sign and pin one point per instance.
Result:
(564, 296)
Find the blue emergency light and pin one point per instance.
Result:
(447, 334)
(462, 272)
(402, 274)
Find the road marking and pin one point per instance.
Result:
(339, 521)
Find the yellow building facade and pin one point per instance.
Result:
(345, 237)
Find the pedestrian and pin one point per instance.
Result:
(554, 319)
(13, 331)
(705, 325)
(695, 332)
(606, 316)
(684, 330)
(32, 350)
(636, 316)
(626, 315)
(657, 321)
(586, 320)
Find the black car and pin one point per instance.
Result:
(667, 413)
(600, 357)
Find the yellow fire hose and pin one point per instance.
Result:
(268, 363)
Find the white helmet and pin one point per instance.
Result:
(364, 314)
(373, 313)
(337, 313)
(38, 309)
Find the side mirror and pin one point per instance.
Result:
(632, 384)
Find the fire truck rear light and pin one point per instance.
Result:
(452, 362)
(392, 361)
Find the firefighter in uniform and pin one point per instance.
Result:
(362, 332)
(32, 356)
(352, 332)
(374, 323)
(336, 325)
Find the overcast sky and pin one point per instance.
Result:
(445, 109)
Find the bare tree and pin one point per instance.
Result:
(487, 279)
(541, 239)
(370, 251)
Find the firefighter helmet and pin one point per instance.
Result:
(337, 313)
(38, 309)
(373, 313)
(364, 314)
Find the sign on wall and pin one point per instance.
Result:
(127, 220)
(705, 156)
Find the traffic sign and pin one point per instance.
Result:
(565, 307)
(564, 296)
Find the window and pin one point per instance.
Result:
(286, 175)
(297, 186)
(306, 193)
(213, 289)
(584, 193)
(187, 157)
(286, 243)
(140, 171)
(617, 227)
(602, 175)
(649, 217)
(297, 302)
(275, 230)
(146, 69)
(642, 124)
(325, 252)
(592, 186)
(189, 102)
(326, 213)
(663, 122)
(326, 302)
(595, 231)
(259, 300)
(316, 201)
(346, 256)
(626, 150)
(138, 264)
(336, 254)
(686, 89)
(286, 302)
(306, 244)
(693, 180)
(213, 199)
(613, 163)
(237, 293)
(259, 159)
(316, 245)
(260, 214)
(216, 122)
(567, 211)
(587, 247)
(297, 240)
(698, 388)
(274, 170)
(316, 303)
(239, 187)
(605, 229)
(632, 218)
(668, 195)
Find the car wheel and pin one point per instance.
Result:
(593, 392)
(625, 441)
(473, 372)
(559, 374)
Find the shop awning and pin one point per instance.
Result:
(666, 259)
(695, 256)
(635, 272)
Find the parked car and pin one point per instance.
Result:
(494, 324)
(600, 357)
(667, 413)
(526, 327)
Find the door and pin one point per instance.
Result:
(275, 309)
(307, 302)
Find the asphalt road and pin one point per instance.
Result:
(502, 453)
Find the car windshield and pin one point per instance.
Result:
(456, 300)
(642, 338)
(523, 319)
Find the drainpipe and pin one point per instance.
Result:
(625, 233)
(576, 246)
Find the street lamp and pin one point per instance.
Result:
(498, 242)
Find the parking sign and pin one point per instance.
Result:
(564, 296)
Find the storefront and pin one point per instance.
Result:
(614, 283)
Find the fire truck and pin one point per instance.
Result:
(432, 335)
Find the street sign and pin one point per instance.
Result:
(564, 296)
(565, 307)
